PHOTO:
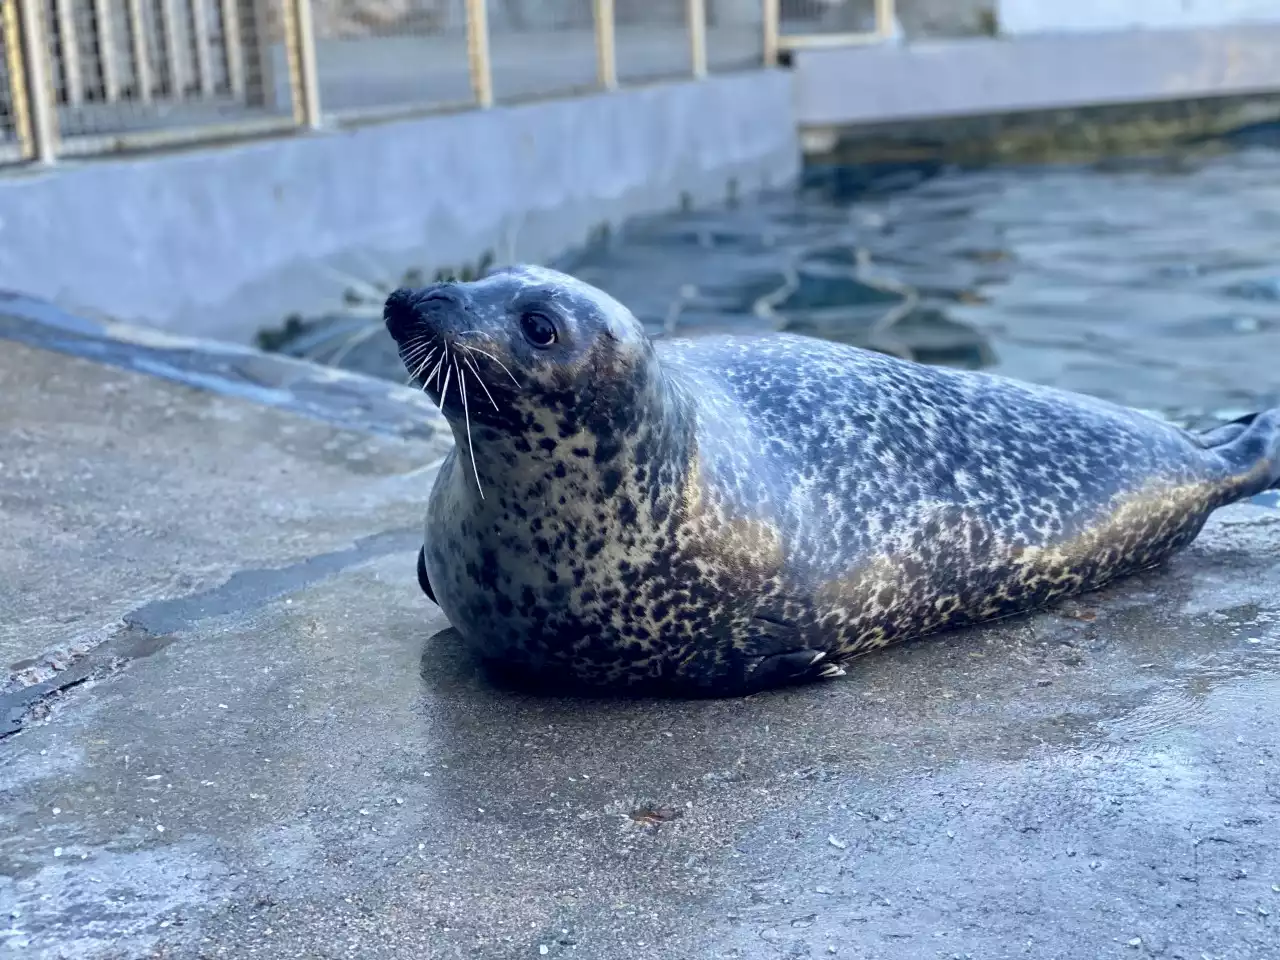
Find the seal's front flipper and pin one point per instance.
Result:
(790, 668)
(423, 582)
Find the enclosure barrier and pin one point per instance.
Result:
(91, 77)
(806, 24)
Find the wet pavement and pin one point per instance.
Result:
(235, 728)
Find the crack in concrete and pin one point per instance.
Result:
(132, 643)
(155, 625)
(247, 589)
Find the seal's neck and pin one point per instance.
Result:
(647, 435)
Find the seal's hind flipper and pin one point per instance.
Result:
(1225, 433)
(423, 582)
(1253, 454)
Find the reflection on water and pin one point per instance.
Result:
(1154, 283)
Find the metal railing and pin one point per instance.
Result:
(85, 77)
(834, 23)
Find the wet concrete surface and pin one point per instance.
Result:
(122, 489)
(282, 751)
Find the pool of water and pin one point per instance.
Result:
(1153, 282)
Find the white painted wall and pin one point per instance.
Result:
(1051, 16)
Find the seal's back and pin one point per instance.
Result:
(911, 498)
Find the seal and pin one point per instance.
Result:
(722, 515)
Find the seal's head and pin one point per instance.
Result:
(522, 350)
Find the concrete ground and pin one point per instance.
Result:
(235, 728)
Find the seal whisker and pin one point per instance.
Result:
(435, 371)
(413, 351)
(443, 368)
(444, 394)
(426, 381)
(486, 353)
(423, 365)
(480, 379)
(428, 355)
(418, 380)
(416, 376)
(411, 361)
(466, 415)
(410, 358)
(414, 344)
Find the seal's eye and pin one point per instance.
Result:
(538, 329)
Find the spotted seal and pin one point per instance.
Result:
(726, 514)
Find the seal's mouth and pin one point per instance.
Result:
(449, 360)
(439, 311)
(453, 363)
(454, 375)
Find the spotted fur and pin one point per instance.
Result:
(726, 514)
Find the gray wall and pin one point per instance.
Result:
(220, 242)
(1034, 16)
(942, 78)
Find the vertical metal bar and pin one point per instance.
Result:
(141, 55)
(170, 55)
(698, 36)
(70, 36)
(41, 113)
(478, 52)
(884, 18)
(307, 63)
(16, 71)
(606, 44)
(300, 41)
(200, 34)
(106, 44)
(231, 47)
(289, 22)
(772, 31)
(255, 44)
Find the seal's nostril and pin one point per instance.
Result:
(441, 296)
(399, 315)
(433, 310)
